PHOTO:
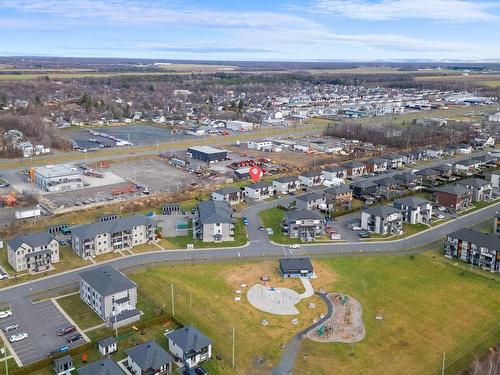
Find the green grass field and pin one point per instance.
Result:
(429, 305)
(78, 310)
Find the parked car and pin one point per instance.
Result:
(335, 236)
(74, 338)
(364, 235)
(261, 227)
(201, 371)
(3, 275)
(12, 327)
(245, 220)
(189, 371)
(66, 330)
(440, 216)
(18, 337)
(356, 228)
(441, 208)
(5, 314)
(295, 246)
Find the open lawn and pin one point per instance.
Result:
(204, 296)
(490, 80)
(79, 311)
(429, 305)
(271, 218)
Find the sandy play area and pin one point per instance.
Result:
(346, 324)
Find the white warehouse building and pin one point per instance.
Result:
(241, 126)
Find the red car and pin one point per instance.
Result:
(66, 330)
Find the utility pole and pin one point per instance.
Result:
(233, 347)
(444, 361)
(173, 302)
(5, 360)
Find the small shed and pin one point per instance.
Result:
(296, 267)
(107, 345)
(64, 365)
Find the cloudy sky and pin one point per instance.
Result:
(252, 29)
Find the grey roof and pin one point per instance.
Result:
(412, 202)
(341, 189)
(89, 231)
(206, 149)
(363, 184)
(485, 158)
(228, 190)
(386, 181)
(259, 185)
(106, 280)
(310, 174)
(453, 189)
(211, 212)
(335, 168)
(376, 161)
(313, 196)
(101, 367)
(443, 168)
(62, 361)
(488, 240)
(426, 172)
(303, 214)
(286, 179)
(468, 162)
(382, 211)
(474, 182)
(407, 176)
(149, 355)
(353, 164)
(32, 239)
(189, 339)
(108, 341)
(295, 265)
(392, 157)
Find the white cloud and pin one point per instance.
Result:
(443, 10)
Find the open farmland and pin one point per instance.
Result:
(489, 80)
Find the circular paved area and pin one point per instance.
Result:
(279, 301)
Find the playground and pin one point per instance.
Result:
(346, 325)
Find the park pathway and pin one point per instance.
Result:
(289, 356)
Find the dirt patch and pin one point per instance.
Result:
(345, 326)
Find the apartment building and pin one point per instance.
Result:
(481, 189)
(213, 222)
(382, 220)
(33, 252)
(415, 210)
(91, 240)
(471, 246)
(231, 195)
(259, 190)
(287, 184)
(303, 224)
(110, 294)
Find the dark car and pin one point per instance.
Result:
(66, 330)
(74, 338)
(189, 371)
(201, 371)
(364, 235)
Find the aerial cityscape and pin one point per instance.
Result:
(254, 189)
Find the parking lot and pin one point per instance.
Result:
(41, 325)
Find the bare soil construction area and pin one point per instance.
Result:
(345, 326)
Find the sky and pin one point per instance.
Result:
(286, 30)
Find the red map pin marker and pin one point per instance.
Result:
(255, 173)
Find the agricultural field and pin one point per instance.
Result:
(489, 80)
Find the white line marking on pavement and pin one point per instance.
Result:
(284, 250)
(239, 255)
(291, 252)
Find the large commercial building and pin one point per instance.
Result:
(241, 126)
(112, 235)
(207, 153)
(57, 177)
(110, 294)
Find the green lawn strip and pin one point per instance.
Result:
(429, 306)
(79, 311)
(272, 218)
